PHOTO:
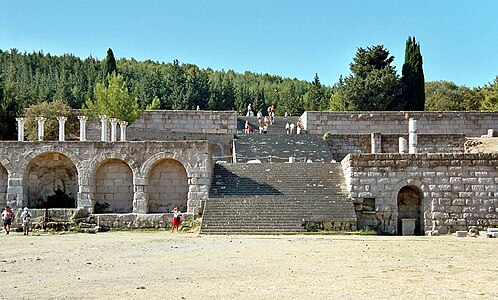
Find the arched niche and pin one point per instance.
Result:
(409, 201)
(51, 181)
(113, 187)
(168, 186)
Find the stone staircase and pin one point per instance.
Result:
(275, 197)
(278, 145)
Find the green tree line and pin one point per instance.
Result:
(27, 79)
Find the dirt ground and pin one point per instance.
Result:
(159, 265)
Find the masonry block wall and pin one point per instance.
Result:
(457, 190)
(113, 187)
(343, 144)
(111, 176)
(218, 127)
(168, 186)
(472, 124)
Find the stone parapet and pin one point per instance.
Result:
(154, 124)
(473, 123)
(343, 144)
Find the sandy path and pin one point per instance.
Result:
(138, 265)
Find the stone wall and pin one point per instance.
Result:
(343, 144)
(114, 174)
(218, 127)
(470, 123)
(168, 187)
(114, 187)
(457, 190)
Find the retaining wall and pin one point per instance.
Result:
(473, 123)
(458, 190)
(343, 144)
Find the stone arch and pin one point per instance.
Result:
(51, 149)
(50, 180)
(151, 161)
(100, 158)
(4, 179)
(413, 187)
(409, 203)
(167, 186)
(112, 187)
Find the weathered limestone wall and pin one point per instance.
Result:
(168, 186)
(114, 187)
(470, 123)
(343, 144)
(218, 127)
(113, 174)
(457, 190)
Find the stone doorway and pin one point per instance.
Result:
(409, 202)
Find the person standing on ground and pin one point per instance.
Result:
(287, 128)
(26, 221)
(291, 127)
(7, 218)
(177, 219)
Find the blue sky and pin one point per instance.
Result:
(459, 39)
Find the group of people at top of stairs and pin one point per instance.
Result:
(293, 128)
(264, 122)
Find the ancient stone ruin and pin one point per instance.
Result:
(393, 172)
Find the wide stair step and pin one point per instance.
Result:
(275, 197)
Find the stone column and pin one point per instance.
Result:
(41, 129)
(140, 198)
(376, 142)
(122, 125)
(62, 121)
(114, 124)
(403, 145)
(103, 121)
(412, 136)
(83, 120)
(20, 129)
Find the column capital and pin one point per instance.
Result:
(123, 123)
(104, 118)
(41, 119)
(61, 118)
(82, 118)
(19, 119)
(113, 120)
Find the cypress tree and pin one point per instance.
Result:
(413, 77)
(110, 64)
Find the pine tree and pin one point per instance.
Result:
(374, 84)
(114, 101)
(315, 96)
(413, 81)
